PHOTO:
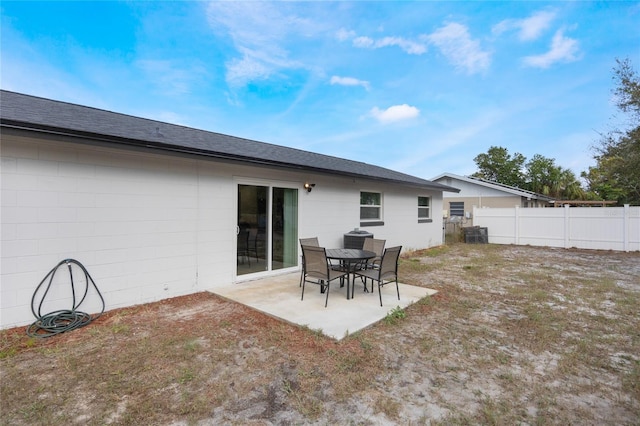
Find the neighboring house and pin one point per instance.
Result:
(154, 210)
(482, 193)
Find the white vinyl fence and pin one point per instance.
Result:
(599, 228)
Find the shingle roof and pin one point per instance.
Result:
(495, 185)
(45, 115)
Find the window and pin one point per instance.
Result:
(370, 206)
(424, 208)
(456, 208)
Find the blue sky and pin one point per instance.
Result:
(418, 87)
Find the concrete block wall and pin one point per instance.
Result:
(153, 226)
(130, 218)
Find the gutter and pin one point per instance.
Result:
(162, 147)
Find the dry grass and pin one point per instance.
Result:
(516, 335)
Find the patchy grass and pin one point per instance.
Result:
(515, 335)
(394, 315)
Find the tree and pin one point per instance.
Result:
(628, 90)
(497, 165)
(616, 174)
(570, 186)
(601, 185)
(545, 177)
(542, 175)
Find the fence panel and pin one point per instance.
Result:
(597, 230)
(541, 228)
(607, 228)
(501, 225)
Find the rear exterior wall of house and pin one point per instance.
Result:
(149, 226)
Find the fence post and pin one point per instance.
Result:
(626, 228)
(567, 226)
(516, 221)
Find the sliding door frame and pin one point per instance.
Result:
(270, 185)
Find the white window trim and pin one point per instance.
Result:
(374, 221)
(451, 209)
(429, 209)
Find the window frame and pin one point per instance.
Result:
(377, 221)
(428, 207)
(459, 207)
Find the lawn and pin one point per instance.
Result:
(515, 335)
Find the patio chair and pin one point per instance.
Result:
(377, 246)
(386, 273)
(313, 242)
(316, 269)
(253, 243)
(243, 245)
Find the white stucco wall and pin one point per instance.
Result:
(153, 226)
(474, 194)
(472, 190)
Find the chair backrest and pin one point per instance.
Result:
(375, 245)
(389, 264)
(310, 242)
(315, 262)
(243, 239)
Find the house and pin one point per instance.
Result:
(154, 210)
(483, 193)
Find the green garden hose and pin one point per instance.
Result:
(59, 321)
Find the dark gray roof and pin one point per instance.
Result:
(44, 115)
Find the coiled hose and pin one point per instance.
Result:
(59, 321)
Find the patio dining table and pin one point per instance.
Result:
(349, 260)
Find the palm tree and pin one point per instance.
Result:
(570, 187)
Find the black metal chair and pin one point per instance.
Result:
(243, 245)
(256, 243)
(377, 246)
(316, 269)
(386, 273)
(312, 241)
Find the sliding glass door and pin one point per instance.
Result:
(284, 229)
(267, 228)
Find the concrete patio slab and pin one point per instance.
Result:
(279, 296)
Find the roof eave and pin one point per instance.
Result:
(141, 144)
(497, 186)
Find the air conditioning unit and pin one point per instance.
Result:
(355, 239)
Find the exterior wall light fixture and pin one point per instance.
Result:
(309, 186)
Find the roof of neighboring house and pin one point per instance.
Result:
(494, 185)
(26, 112)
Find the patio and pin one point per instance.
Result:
(279, 296)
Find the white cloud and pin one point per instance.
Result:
(349, 81)
(363, 42)
(409, 46)
(259, 31)
(452, 141)
(532, 27)
(529, 28)
(459, 48)
(563, 49)
(395, 113)
(170, 77)
(343, 34)
(248, 68)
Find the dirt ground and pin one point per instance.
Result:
(516, 335)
